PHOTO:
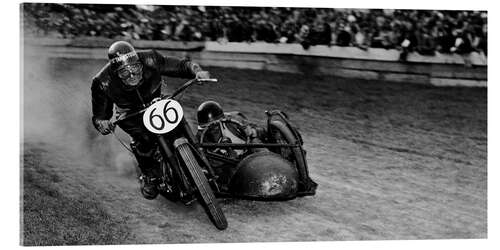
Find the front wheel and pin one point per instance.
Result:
(206, 196)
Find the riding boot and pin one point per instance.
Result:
(148, 187)
(149, 169)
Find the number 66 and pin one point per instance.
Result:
(164, 121)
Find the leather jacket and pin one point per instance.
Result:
(108, 90)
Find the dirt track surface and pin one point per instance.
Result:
(393, 161)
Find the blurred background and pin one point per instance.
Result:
(422, 31)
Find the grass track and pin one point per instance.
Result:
(393, 161)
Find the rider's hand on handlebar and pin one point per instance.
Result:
(201, 75)
(104, 126)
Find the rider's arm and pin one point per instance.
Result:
(102, 106)
(176, 67)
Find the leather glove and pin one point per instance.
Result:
(202, 75)
(104, 126)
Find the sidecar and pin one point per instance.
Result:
(271, 167)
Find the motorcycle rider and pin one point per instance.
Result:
(130, 80)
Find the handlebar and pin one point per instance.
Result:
(172, 96)
(186, 85)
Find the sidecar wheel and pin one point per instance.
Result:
(199, 180)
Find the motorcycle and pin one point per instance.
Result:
(185, 172)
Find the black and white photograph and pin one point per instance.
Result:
(172, 123)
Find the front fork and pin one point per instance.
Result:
(198, 150)
(171, 158)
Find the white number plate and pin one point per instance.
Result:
(163, 116)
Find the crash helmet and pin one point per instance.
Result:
(209, 111)
(125, 63)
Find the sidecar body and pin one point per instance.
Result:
(273, 167)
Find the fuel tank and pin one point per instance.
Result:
(264, 176)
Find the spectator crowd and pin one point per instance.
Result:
(423, 31)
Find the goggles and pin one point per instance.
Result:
(128, 70)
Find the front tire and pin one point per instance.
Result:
(206, 196)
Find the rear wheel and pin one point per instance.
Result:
(206, 196)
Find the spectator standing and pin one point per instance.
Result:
(361, 37)
(344, 36)
(462, 42)
(425, 42)
(482, 44)
(321, 34)
(302, 36)
(445, 40)
(288, 31)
